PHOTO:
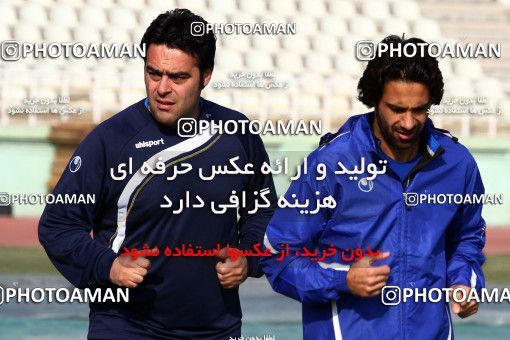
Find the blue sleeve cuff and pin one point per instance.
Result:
(341, 280)
(105, 265)
(254, 267)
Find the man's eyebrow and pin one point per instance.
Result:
(422, 107)
(170, 74)
(148, 67)
(398, 107)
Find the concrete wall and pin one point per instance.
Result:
(25, 164)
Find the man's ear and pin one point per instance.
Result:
(206, 77)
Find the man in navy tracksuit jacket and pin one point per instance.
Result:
(170, 297)
(423, 246)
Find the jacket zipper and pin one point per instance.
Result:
(426, 159)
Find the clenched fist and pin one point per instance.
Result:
(465, 308)
(366, 280)
(127, 273)
(231, 273)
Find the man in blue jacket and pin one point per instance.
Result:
(377, 168)
(141, 171)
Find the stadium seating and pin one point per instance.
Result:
(324, 46)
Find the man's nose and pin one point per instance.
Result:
(164, 86)
(407, 121)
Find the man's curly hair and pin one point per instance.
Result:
(420, 68)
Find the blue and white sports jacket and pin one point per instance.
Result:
(431, 245)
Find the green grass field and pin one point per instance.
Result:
(497, 269)
(22, 260)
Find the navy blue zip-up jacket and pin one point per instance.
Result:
(180, 297)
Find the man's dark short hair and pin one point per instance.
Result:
(419, 68)
(173, 29)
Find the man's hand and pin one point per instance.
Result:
(367, 281)
(465, 308)
(127, 273)
(231, 273)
